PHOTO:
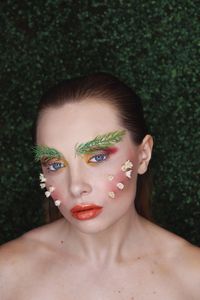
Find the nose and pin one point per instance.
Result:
(80, 185)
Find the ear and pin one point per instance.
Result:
(145, 151)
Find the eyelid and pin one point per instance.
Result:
(97, 153)
(48, 161)
(52, 168)
(100, 151)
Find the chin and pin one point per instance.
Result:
(91, 226)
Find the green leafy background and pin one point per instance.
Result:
(153, 46)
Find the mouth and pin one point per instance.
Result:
(86, 211)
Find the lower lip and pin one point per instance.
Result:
(86, 214)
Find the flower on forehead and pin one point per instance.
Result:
(42, 178)
(127, 165)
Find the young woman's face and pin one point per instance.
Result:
(95, 182)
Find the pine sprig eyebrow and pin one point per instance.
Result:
(45, 152)
(100, 142)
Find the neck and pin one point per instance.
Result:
(114, 244)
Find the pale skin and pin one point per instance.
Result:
(116, 255)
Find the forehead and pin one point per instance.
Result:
(76, 122)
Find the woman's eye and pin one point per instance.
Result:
(55, 166)
(98, 158)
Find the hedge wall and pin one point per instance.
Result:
(151, 45)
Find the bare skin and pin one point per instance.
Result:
(46, 264)
(116, 255)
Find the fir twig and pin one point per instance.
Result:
(100, 142)
(43, 151)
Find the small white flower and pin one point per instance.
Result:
(111, 195)
(42, 178)
(128, 173)
(110, 177)
(127, 165)
(47, 194)
(120, 185)
(57, 203)
(51, 189)
(42, 185)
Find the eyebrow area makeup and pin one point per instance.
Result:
(100, 142)
(108, 151)
(44, 152)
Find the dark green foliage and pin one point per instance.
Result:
(154, 46)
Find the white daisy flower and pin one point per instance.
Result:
(42, 178)
(47, 194)
(127, 165)
(57, 203)
(110, 177)
(42, 185)
(128, 173)
(120, 185)
(111, 195)
(51, 189)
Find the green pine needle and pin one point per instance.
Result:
(44, 151)
(100, 142)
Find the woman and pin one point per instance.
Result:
(94, 149)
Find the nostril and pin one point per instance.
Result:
(80, 189)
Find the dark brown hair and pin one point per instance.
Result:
(106, 88)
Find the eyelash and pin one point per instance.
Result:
(51, 165)
(104, 155)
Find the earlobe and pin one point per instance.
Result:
(145, 154)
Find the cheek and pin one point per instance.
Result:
(55, 195)
(119, 184)
(56, 182)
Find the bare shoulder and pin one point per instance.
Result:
(14, 259)
(29, 245)
(177, 259)
(182, 260)
(24, 258)
(188, 260)
(184, 263)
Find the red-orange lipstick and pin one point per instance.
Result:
(86, 211)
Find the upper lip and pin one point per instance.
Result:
(85, 206)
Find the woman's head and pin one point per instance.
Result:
(90, 109)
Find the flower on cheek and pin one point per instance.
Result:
(42, 185)
(57, 203)
(51, 189)
(47, 194)
(111, 195)
(128, 173)
(42, 178)
(120, 185)
(110, 177)
(127, 165)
